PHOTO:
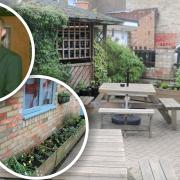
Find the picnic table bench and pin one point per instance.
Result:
(172, 105)
(102, 159)
(157, 170)
(148, 112)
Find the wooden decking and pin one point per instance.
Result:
(103, 158)
(157, 170)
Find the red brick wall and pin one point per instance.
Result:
(17, 134)
(82, 5)
(144, 35)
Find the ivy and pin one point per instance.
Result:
(44, 22)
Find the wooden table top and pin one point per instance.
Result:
(133, 88)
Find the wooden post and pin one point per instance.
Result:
(174, 119)
(104, 32)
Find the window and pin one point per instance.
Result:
(74, 43)
(72, 2)
(39, 97)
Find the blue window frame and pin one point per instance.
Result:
(39, 97)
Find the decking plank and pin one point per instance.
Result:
(146, 170)
(168, 170)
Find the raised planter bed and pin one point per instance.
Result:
(43, 159)
(168, 93)
(56, 158)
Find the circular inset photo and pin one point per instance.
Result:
(43, 130)
(16, 52)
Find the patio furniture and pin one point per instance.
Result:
(148, 112)
(102, 159)
(173, 106)
(157, 170)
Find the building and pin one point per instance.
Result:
(31, 116)
(166, 35)
(119, 33)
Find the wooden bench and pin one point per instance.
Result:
(173, 106)
(103, 158)
(157, 170)
(148, 112)
(86, 100)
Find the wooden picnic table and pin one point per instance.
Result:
(135, 90)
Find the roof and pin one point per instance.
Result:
(76, 13)
(134, 15)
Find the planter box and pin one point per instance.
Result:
(49, 165)
(168, 93)
(63, 99)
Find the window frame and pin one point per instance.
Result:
(37, 110)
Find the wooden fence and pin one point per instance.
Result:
(81, 72)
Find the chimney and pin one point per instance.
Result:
(82, 5)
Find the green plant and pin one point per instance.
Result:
(27, 163)
(44, 22)
(63, 97)
(121, 59)
(100, 64)
(178, 78)
(164, 85)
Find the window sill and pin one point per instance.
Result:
(39, 112)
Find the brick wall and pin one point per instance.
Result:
(167, 34)
(144, 35)
(82, 5)
(17, 134)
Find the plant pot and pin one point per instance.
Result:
(56, 158)
(168, 93)
(85, 92)
(94, 91)
(63, 99)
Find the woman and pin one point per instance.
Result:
(10, 67)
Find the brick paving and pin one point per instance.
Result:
(165, 143)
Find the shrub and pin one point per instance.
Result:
(178, 78)
(120, 59)
(164, 85)
(43, 22)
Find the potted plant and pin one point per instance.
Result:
(94, 88)
(63, 97)
(83, 90)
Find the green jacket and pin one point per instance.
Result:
(10, 71)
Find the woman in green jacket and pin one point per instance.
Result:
(10, 67)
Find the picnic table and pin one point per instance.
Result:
(134, 89)
(141, 90)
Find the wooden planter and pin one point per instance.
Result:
(63, 99)
(168, 93)
(51, 163)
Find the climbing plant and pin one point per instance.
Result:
(44, 22)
